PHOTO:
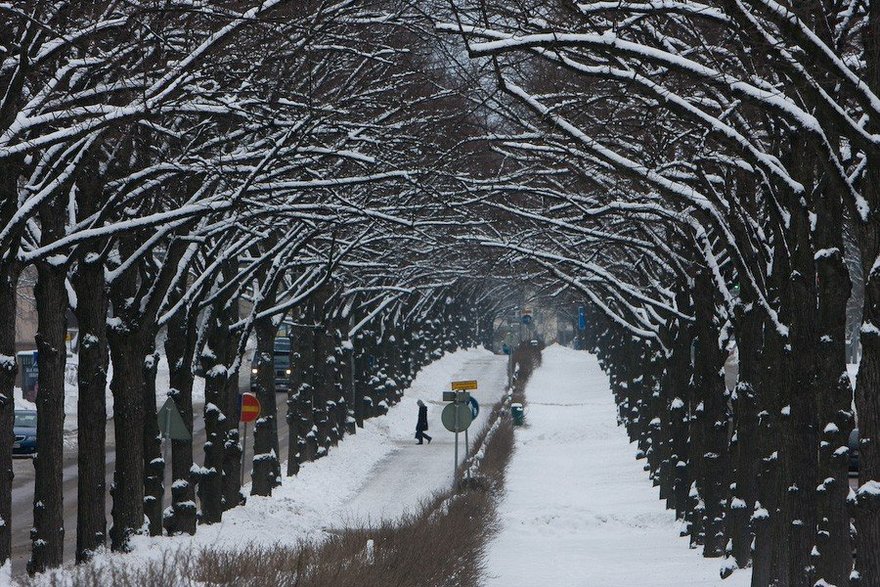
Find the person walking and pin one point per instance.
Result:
(422, 423)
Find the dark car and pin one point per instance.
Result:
(25, 431)
(854, 452)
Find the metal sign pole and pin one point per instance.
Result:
(456, 439)
(167, 436)
(243, 454)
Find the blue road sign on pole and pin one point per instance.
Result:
(527, 319)
(582, 318)
(475, 407)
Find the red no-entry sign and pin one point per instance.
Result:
(250, 407)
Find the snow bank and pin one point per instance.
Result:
(20, 402)
(578, 508)
(6, 573)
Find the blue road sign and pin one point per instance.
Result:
(582, 318)
(475, 407)
(527, 319)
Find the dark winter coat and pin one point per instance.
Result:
(422, 424)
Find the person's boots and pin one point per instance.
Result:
(429, 438)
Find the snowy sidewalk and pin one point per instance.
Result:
(579, 510)
(412, 473)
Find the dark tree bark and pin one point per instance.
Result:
(835, 397)
(768, 497)
(154, 463)
(180, 347)
(232, 449)
(127, 351)
(47, 533)
(265, 454)
(9, 272)
(214, 359)
(867, 517)
(744, 449)
(91, 314)
(91, 310)
(295, 416)
(799, 438)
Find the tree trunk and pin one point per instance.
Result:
(768, 497)
(835, 397)
(212, 359)
(867, 516)
(91, 314)
(154, 463)
(8, 371)
(180, 347)
(713, 394)
(295, 423)
(232, 449)
(744, 449)
(47, 533)
(265, 456)
(127, 351)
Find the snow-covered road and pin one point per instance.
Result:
(579, 510)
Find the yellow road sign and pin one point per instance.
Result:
(463, 385)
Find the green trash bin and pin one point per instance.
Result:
(518, 413)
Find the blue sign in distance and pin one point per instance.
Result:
(475, 407)
(527, 319)
(582, 318)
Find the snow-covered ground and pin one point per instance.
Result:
(578, 508)
(376, 474)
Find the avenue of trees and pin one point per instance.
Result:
(384, 175)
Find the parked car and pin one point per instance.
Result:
(25, 431)
(854, 452)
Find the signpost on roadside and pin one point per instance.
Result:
(458, 415)
(250, 411)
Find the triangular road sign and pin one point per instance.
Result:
(171, 422)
